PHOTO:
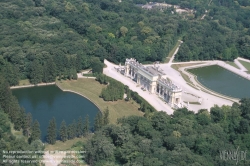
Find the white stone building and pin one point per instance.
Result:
(154, 80)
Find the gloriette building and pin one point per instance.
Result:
(154, 80)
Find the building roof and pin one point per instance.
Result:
(154, 71)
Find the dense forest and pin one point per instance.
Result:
(183, 138)
(44, 39)
(40, 39)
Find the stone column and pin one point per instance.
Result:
(127, 70)
(170, 99)
(164, 91)
(131, 71)
(159, 93)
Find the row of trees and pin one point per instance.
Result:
(75, 129)
(115, 91)
(11, 113)
(21, 120)
(184, 138)
(144, 105)
(67, 132)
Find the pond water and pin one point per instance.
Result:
(222, 81)
(46, 102)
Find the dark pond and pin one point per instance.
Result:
(222, 81)
(46, 102)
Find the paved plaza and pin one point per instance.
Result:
(189, 94)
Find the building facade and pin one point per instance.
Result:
(154, 80)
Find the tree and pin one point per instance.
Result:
(79, 128)
(98, 121)
(52, 132)
(27, 124)
(35, 132)
(123, 30)
(86, 126)
(106, 116)
(49, 71)
(245, 107)
(97, 66)
(36, 72)
(11, 74)
(63, 131)
(72, 130)
(217, 114)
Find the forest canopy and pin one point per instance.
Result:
(40, 39)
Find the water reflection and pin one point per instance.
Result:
(47, 102)
(223, 81)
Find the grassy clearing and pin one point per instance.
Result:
(92, 89)
(171, 53)
(18, 134)
(24, 82)
(245, 64)
(59, 145)
(232, 64)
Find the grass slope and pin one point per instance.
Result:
(92, 89)
(232, 64)
(246, 65)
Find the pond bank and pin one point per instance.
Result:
(32, 85)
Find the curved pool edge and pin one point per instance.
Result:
(212, 92)
(66, 90)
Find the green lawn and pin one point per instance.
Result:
(232, 64)
(245, 64)
(92, 89)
